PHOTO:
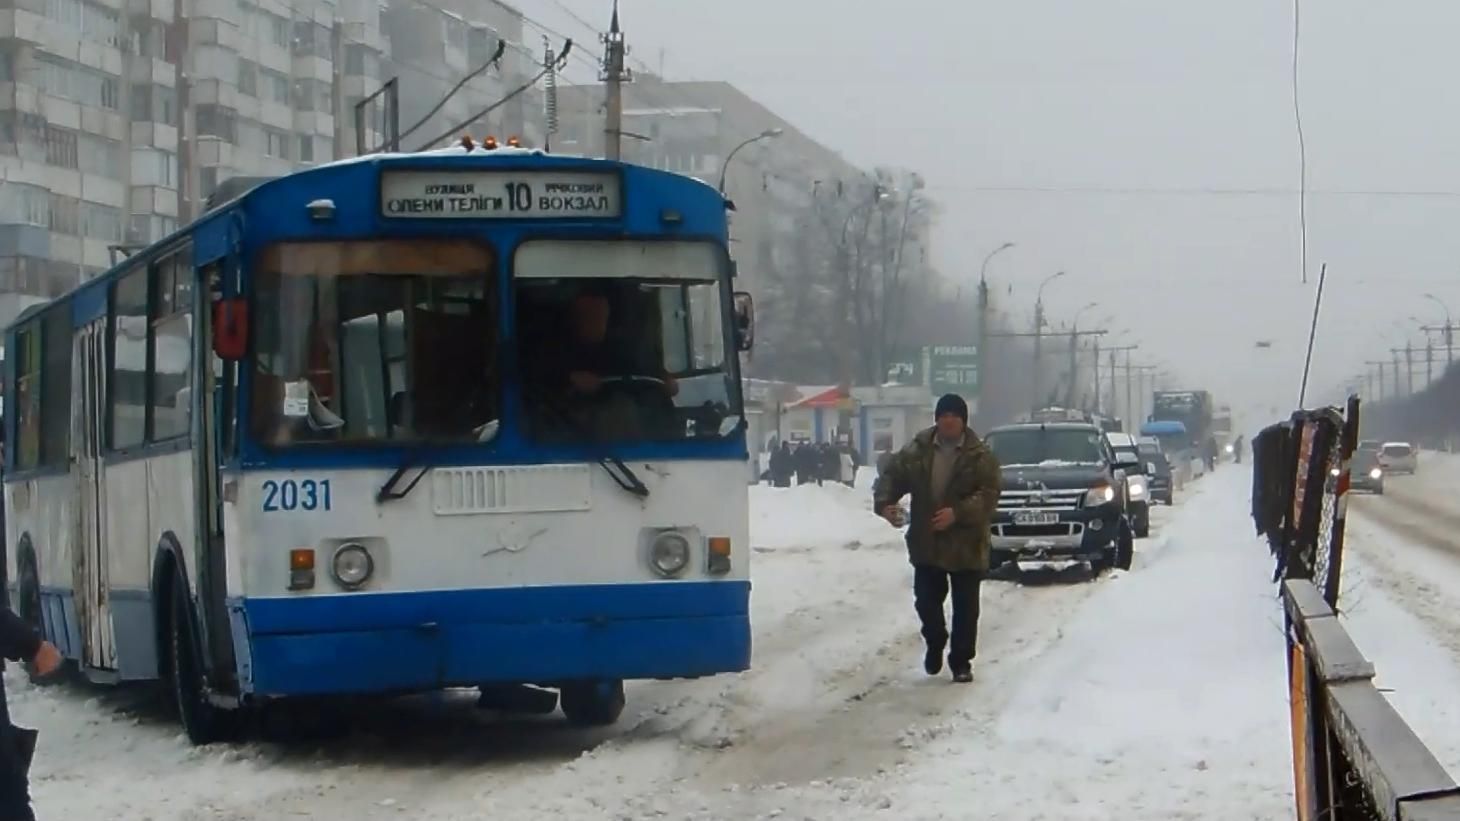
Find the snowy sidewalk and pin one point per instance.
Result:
(1163, 699)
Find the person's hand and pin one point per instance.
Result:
(47, 659)
(671, 386)
(585, 382)
(943, 519)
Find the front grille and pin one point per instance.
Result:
(1011, 500)
(1038, 531)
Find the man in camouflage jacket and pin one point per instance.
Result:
(954, 481)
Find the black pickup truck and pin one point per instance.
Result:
(1062, 498)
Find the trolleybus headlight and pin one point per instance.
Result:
(669, 555)
(352, 565)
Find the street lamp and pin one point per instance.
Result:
(983, 269)
(768, 134)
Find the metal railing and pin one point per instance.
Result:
(1354, 756)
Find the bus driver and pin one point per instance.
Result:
(589, 367)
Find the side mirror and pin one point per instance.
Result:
(230, 328)
(744, 321)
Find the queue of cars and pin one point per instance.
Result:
(1374, 460)
(1075, 492)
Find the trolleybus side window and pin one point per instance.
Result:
(128, 385)
(375, 340)
(624, 340)
(56, 387)
(28, 397)
(171, 344)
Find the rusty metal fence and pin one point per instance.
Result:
(1354, 757)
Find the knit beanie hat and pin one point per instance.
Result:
(954, 404)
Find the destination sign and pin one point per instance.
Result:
(502, 194)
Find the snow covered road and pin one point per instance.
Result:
(1152, 694)
(1401, 597)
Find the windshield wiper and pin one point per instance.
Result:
(622, 474)
(388, 493)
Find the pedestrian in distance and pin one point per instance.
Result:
(18, 642)
(954, 481)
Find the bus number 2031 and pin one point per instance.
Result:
(306, 494)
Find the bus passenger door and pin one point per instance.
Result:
(216, 384)
(88, 415)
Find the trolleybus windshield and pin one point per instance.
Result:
(364, 341)
(624, 341)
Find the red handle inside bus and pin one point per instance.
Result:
(230, 328)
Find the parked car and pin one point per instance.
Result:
(1160, 478)
(1063, 497)
(1398, 457)
(1365, 472)
(1137, 481)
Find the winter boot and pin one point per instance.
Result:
(962, 674)
(933, 661)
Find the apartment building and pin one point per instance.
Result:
(692, 128)
(119, 117)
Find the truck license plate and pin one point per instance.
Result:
(1036, 518)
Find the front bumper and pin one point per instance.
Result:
(387, 643)
(1365, 482)
(1081, 534)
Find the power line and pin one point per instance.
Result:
(562, 58)
(1192, 191)
(1302, 153)
(440, 104)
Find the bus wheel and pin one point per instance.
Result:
(202, 721)
(593, 703)
(31, 611)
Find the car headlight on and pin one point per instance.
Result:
(669, 554)
(1137, 488)
(1101, 494)
(1231, 448)
(352, 565)
(1375, 473)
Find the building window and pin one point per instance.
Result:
(152, 166)
(101, 222)
(207, 180)
(70, 81)
(306, 148)
(248, 78)
(127, 388)
(277, 144)
(170, 341)
(64, 213)
(279, 30)
(216, 121)
(22, 204)
(61, 147)
(100, 156)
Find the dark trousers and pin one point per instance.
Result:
(14, 766)
(930, 588)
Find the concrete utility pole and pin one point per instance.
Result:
(1380, 363)
(1113, 405)
(983, 306)
(1408, 351)
(337, 94)
(1449, 329)
(1039, 336)
(1449, 336)
(614, 76)
(1075, 360)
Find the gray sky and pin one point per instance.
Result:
(1109, 104)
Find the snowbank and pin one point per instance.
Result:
(810, 517)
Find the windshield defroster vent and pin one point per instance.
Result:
(526, 489)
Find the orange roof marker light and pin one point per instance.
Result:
(489, 143)
(514, 142)
(467, 142)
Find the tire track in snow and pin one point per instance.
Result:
(1423, 596)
